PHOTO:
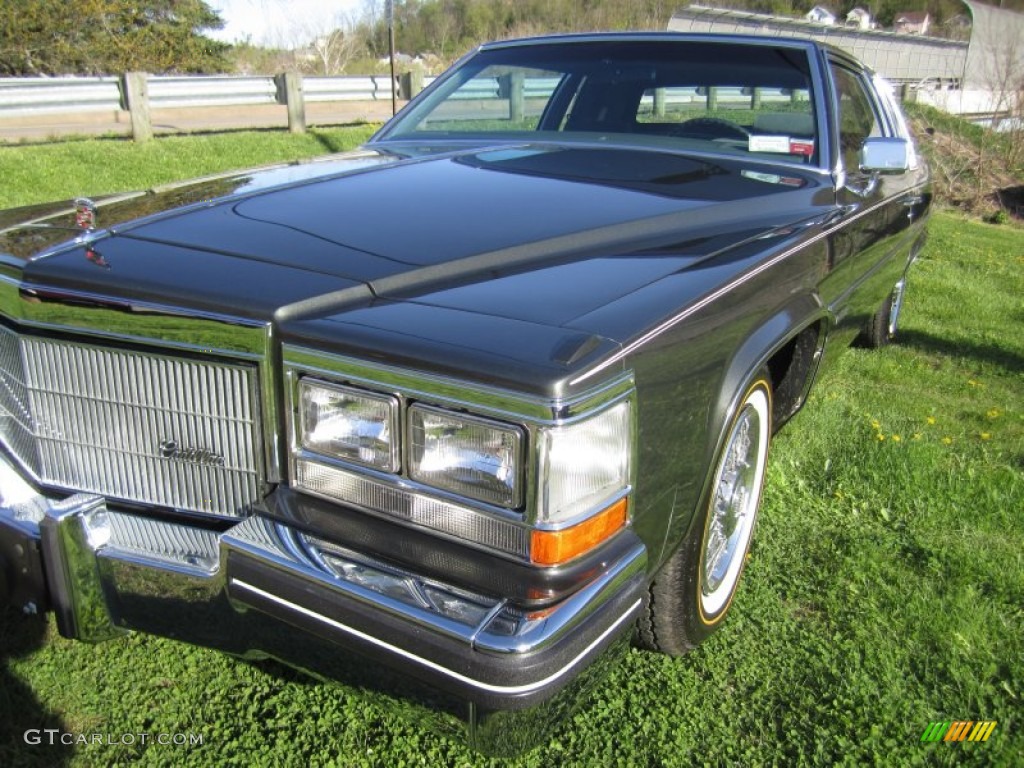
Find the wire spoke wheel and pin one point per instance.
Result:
(736, 495)
(895, 305)
(691, 594)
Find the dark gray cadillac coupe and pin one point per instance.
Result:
(459, 414)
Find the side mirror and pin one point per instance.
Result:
(886, 155)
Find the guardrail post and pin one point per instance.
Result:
(659, 102)
(516, 96)
(135, 98)
(512, 87)
(410, 84)
(289, 93)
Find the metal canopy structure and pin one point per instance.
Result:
(899, 58)
(995, 59)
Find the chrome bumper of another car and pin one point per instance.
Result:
(265, 589)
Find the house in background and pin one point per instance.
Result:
(821, 15)
(911, 22)
(859, 18)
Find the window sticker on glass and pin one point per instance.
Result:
(803, 147)
(769, 144)
(784, 145)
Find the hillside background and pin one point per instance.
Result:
(437, 31)
(103, 37)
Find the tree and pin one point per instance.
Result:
(41, 37)
(335, 49)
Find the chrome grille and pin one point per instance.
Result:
(127, 425)
(15, 417)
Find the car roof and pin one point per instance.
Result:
(680, 37)
(795, 43)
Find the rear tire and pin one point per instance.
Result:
(691, 595)
(881, 329)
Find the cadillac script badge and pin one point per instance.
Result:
(169, 449)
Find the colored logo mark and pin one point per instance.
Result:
(959, 730)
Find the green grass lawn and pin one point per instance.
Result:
(43, 172)
(885, 588)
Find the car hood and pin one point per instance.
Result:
(513, 232)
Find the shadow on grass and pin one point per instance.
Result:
(20, 711)
(1012, 199)
(982, 353)
(332, 143)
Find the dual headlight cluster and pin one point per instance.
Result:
(467, 456)
(558, 477)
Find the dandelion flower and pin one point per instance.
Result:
(931, 419)
(986, 435)
(947, 440)
(993, 413)
(896, 438)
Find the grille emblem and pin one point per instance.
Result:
(169, 449)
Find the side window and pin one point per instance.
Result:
(858, 116)
(887, 95)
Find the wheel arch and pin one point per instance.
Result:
(785, 350)
(790, 346)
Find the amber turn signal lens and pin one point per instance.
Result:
(556, 547)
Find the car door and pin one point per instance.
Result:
(872, 218)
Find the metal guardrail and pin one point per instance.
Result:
(347, 88)
(26, 96)
(30, 96)
(40, 97)
(486, 88)
(37, 96)
(492, 88)
(207, 91)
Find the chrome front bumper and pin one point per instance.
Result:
(263, 588)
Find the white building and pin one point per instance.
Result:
(820, 15)
(859, 18)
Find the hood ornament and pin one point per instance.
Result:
(85, 218)
(85, 213)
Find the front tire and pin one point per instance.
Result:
(691, 595)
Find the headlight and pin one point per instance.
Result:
(466, 455)
(349, 424)
(583, 465)
(541, 481)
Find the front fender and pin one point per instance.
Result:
(757, 350)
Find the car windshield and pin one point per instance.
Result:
(706, 96)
